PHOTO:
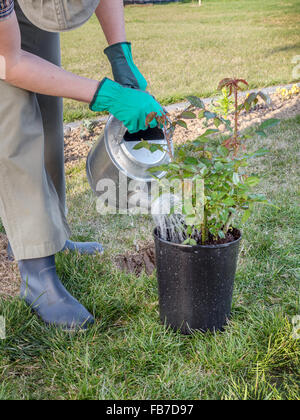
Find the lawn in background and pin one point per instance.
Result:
(128, 354)
(185, 49)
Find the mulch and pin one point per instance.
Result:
(9, 273)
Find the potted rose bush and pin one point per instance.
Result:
(196, 274)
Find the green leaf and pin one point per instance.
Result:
(200, 140)
(252, 181)
(188, 115)
(264, 97)
(261, 133)
(246, 215)
(182, 123)
(174, 166)
(229, 201)
(219, 166)
(153, 148)
(189, 241)
(209, 131)
(251, 98)
(224, 152)
(206, 161)
(204, 171)
(261, 199)
(203, 138)
(195, 101)
(191, 161)
(190, 168)
(209, 115)
(217, 122)
(260, 152)
(228, 124)
(271, 122)
(221, 234)
(158, 168)
(142, 144)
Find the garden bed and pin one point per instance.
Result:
(79, 141)
(139, 261)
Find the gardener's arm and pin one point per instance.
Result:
(32, 73)
(110, 14)
(29, 72)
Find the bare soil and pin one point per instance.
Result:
(137, 262)
(78, 143)
(281, 109)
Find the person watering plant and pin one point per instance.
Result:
(32, 183)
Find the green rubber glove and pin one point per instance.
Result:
(131, 106)
(124, 70)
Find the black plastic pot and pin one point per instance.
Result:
(195, 284)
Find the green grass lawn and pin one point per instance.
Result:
(128, 354)
(185, 49)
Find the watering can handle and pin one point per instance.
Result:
(123, 130)
(121, 133)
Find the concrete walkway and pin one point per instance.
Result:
(182, 105)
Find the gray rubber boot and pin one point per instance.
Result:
(43, 291)
(83, 248)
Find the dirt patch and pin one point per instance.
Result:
(278, 109)
(144, 260)
(9, 273)
(78, 143)
(138, 262)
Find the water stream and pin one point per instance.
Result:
(171, 226)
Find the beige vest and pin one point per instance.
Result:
(58, 15)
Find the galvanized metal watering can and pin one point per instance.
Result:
(114, 154)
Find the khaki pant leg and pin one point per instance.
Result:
(30, 208)
(47, 46)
